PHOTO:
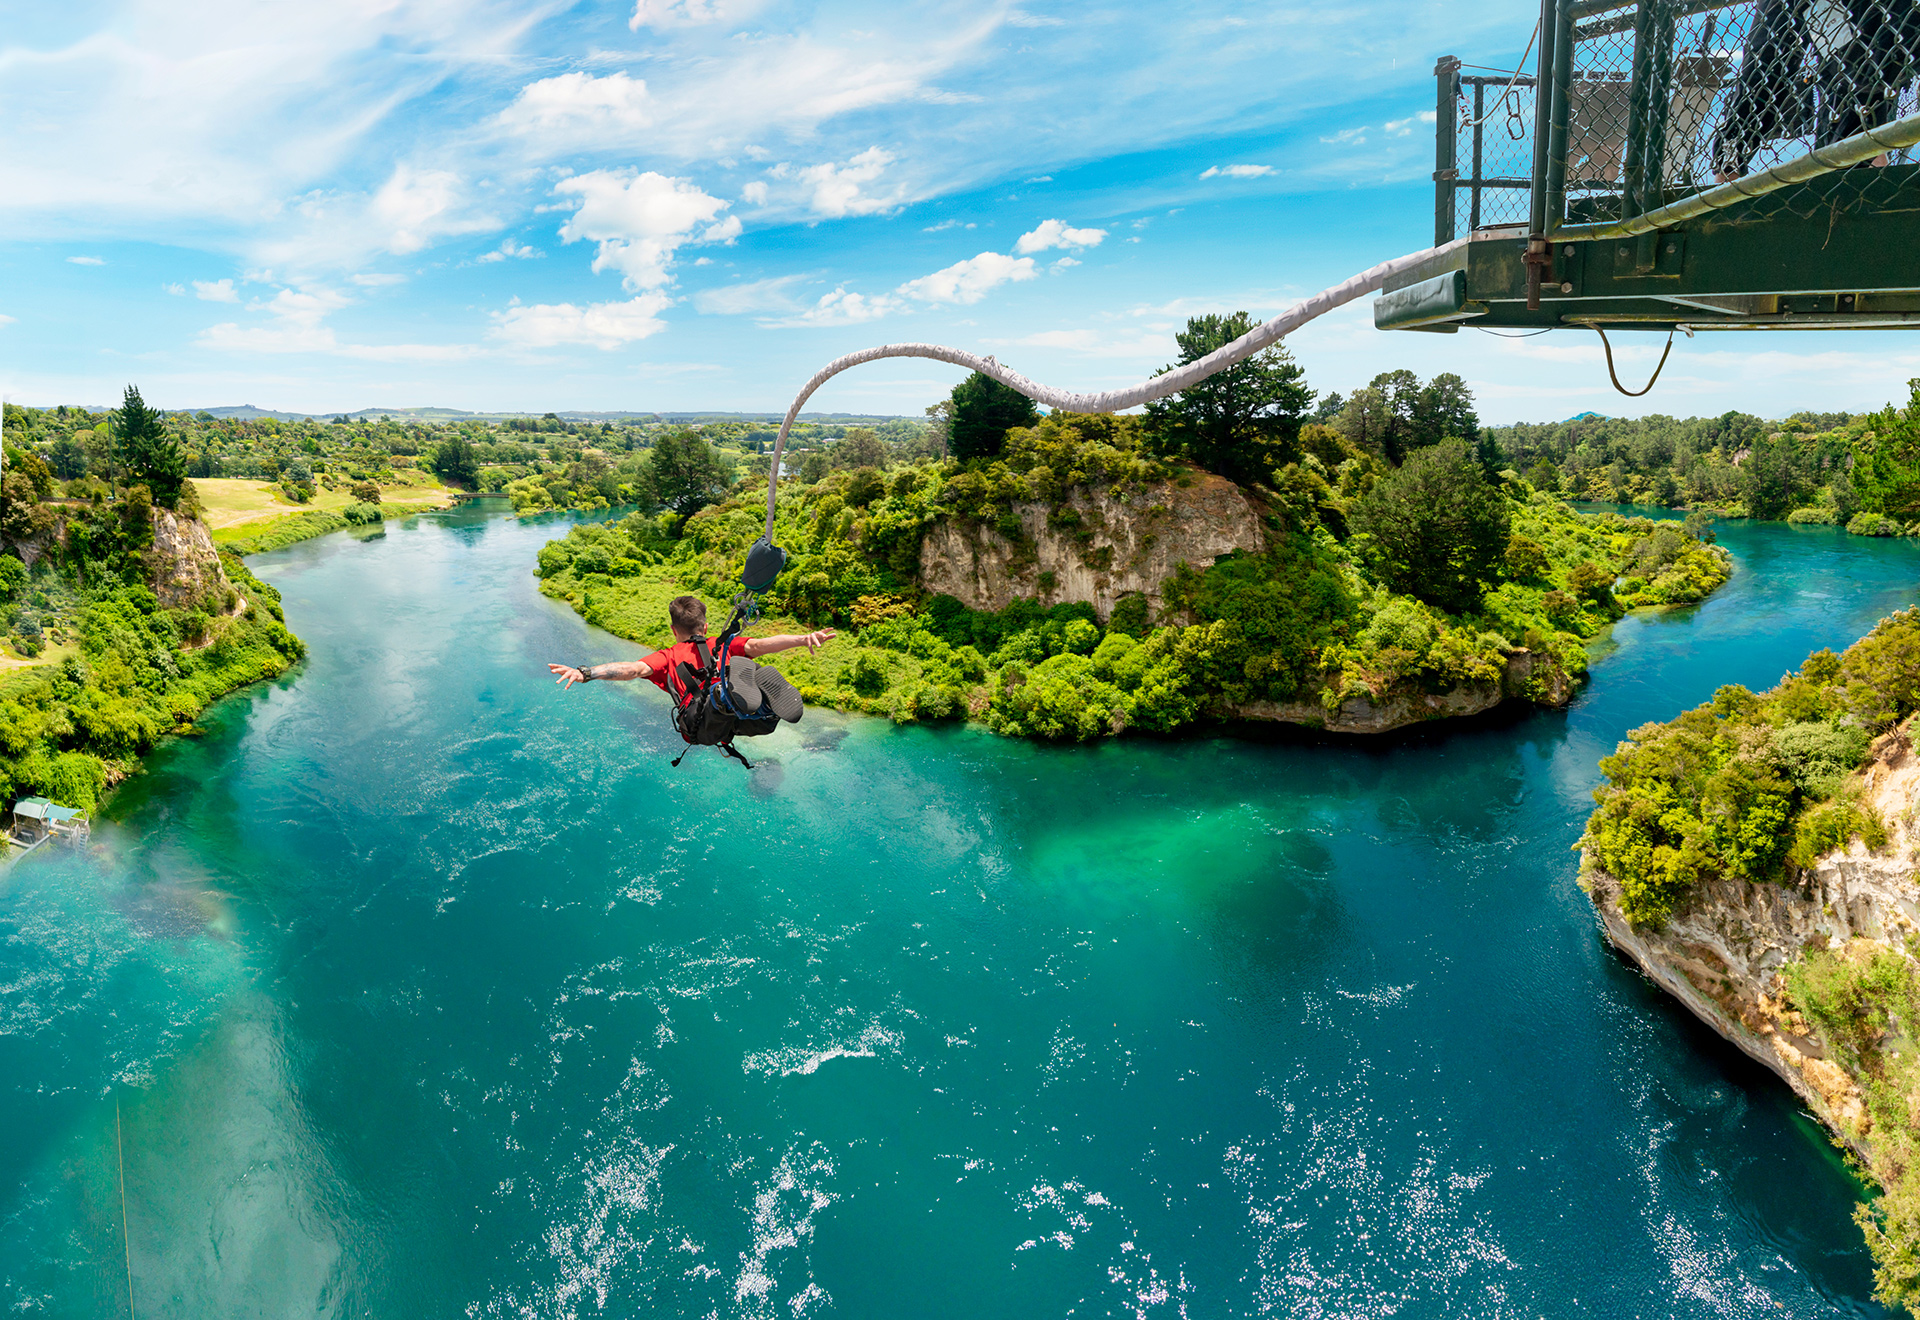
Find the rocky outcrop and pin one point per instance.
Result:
(183, 568)
(1528, 678)
(1722, 953)
(1096, 546)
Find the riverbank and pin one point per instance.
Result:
(1756, 857)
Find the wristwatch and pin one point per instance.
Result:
(586, 673)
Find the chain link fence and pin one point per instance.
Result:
(1664, 98)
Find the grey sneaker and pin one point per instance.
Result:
(757, 689)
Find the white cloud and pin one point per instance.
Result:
(86, 261)
(754, 194)
(418, 206)
(947, 224)
(838, 190)
(7, 320)
(1020, 18)
(640, 220)
(1058, 234)
(1237, 171)
(582, 104)
(377, 281)
(843, 308)
(969, 281)
(605, 325)
(509, 248)
(686, 13)
(758, 296)
(177, 290)
(1062, 264)
(297, 324)
(215, 291)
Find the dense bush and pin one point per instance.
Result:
(1748, 785)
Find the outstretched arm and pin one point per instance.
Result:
(813, 641)
(618, 671)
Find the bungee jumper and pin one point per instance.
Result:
(719, 690)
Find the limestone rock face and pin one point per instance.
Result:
(1399, 709)
(1097, 547)
(1721, 955)
(183, 567)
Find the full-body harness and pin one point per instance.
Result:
(705, 711)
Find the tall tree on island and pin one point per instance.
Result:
(1242, 422)
(151, 455)
(983, 412)
(1438, 526)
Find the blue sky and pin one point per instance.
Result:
(682, 204)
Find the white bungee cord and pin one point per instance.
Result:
(1180, 378)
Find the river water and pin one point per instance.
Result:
(416, 987)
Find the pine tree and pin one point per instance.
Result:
(1242, 422)
(151, 455)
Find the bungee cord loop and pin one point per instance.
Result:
(1107, 401)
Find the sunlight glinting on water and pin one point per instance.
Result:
(427, 988)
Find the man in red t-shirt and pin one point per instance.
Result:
(687, 616)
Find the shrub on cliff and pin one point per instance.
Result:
(1746, 784)
(1438, 526)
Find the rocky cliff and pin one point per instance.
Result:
(1528, 678)
(1095, 547)
(183, 568)
(1722, 953)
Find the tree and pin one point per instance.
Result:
(1242, 422)
(1768, 479)
(860, 447)
(454, 462)
(1365, 421)
(983, 412)
(684, 473)
(1443, 410)
(152, 456)
(1331, 405)
(1439, 527)
(814, 467)
(67, 458)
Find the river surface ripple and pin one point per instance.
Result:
(422, 988)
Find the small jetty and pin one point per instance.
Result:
(35, 821)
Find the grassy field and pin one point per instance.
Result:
(230, 501)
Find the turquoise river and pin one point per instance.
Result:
(415, 987)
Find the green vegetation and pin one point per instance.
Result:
(1861, 471)
(1319, 614)
(984, 411)
(543, 463)
(123, 670)
(1864, 999)
(1241, 422)
(1752, 786)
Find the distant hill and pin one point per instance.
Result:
(1588, 417)
(247, 410)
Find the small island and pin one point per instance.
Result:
(1227, 557)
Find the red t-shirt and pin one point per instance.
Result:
(666, 664)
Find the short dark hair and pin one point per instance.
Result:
(689, 614)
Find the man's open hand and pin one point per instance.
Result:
(813, 641)
(568, 675)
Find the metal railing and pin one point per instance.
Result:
(1652, 102)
